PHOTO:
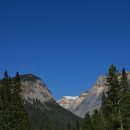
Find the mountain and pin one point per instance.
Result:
(89, 100)
(33, 88)
(44, 113)
(69, 102)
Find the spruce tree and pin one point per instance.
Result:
(110, 100)
(6, 101)
(21, 118)
(102, 112)
(96, 120)
(115, 108)
(1, 108)
(68, 126)
(6, 115)
(88, 122)
(77, 126)
(124, 102)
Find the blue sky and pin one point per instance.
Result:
(66, 43)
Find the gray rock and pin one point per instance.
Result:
(91, 99)
(34, 88)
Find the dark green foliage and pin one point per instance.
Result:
(5, 99)
(68, 126)
(88, 122)
(124, 102)
(110, 102)
(93, 122)
(12, 113)
(18, 106)
(47, 116)
(115, 111)
(50, 116)
(77, 126)
(116, 102)
(113, 115)
(96, 120)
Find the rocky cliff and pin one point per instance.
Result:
(90, 100)
(34, 88)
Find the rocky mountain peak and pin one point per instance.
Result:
(34, 88)
(44, 112)
(84, 94)
(89, 100)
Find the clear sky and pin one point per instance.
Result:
(66, 43)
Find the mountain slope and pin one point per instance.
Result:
(91, 100)
(67, 102)
(44, 113)
(71, 102)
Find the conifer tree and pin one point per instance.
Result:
(96, 120)
(88, 122)
(21, 118)
(116, 101)
(77, 126)
(110, 100)
(5, 103)
(124, 102)
(102, 112)
(1, 108)
(68, 126)
(6, 96)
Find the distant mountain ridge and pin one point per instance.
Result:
(89, 100)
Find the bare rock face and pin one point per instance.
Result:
(67, 102)
(34, 88)
(90, 100)
(78, 100)
(87, 101)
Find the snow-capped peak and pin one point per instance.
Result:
(70, 97)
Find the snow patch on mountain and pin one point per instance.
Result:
(70, 97)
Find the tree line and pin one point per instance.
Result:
(115, 110)
(114, 113)
(13, 115)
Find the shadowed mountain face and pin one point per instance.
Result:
(87, 101)
(44, 113)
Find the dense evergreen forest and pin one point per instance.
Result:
(113, 115)
(13, 115)
(115, 111)
(18, 114)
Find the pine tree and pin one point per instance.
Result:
(124, 102)
(102, 112)
(68, 126)
(110, 100)
(1, 108)
(77, 126)
(115, 108)
(21, 118)
(96, 120)
(5, 103)
(88, 122)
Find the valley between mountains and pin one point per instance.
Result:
(26, 103)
